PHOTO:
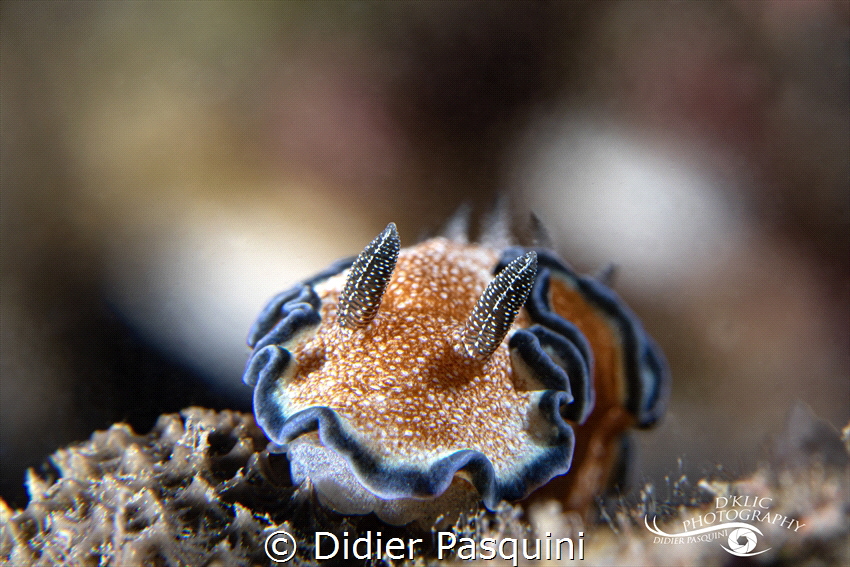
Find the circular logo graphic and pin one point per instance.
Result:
(742, 541)
(280, 546)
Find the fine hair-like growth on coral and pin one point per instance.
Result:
(405, 380)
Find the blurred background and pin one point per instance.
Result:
(167, 167)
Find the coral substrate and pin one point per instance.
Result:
(200, 489)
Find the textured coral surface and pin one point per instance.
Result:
(181, 495)
(199, 489)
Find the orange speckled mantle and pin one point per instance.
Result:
(400, 383)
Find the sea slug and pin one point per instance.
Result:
(408, 378)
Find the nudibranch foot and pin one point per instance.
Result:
(340, 490)
(410, 380)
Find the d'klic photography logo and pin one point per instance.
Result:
(732, 522)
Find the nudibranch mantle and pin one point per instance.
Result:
(396, 378)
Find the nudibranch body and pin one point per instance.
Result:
(410, 378)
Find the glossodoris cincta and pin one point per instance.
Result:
(406, 379)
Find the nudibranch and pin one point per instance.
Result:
(400, 381)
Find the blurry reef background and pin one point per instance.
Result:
(167, 167)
